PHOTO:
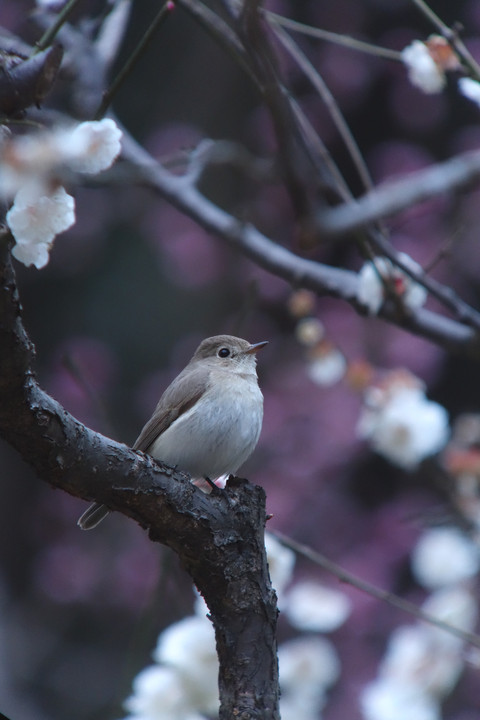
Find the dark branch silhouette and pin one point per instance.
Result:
(218, 537)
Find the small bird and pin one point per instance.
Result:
(208, 420)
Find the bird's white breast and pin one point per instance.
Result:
(219, 432)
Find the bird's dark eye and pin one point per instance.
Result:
(223, 352)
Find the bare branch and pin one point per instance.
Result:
(388, 597)
(335, 38)
(463, 312)
(147, 37)
(112, 32)
(294, 160)
(397, 195)
(221, 32)
(300, 272)
(330, 102)
(330, 179)
(49, 35)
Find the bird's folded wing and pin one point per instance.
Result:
(179, 397)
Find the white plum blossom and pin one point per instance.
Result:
(423, 71)
(307, 661)
(183, 683)
(158, 694)
(327, 367)
(308, 666)
(423, 662)
(35, 220)
(88, 147)
(387, 699)
(91, 147)
(417, 656)
(444, 556)
(470, 89)
(309, 331)
(456, 606)
(402, 424)
(306, 706)
(31, 169)
(371, 284)
(313, 606)
(281, 562)
(188, 646)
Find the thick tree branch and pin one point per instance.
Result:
(218, 537)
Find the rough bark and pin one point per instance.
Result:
(218, 537)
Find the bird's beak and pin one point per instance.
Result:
(256, 347)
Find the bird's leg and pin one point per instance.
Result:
(211, 483)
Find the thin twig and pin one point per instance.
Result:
(388, 597)
(109, 94)
(343, 129)
(294, 161)
(48, 36)
(221, 32)
(326, 168)
(344, 40)
(249, 9)
(330, 102)
(443, 252)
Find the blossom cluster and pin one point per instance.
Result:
(380, 277)
(326, 364)
(462, 462)
(428, 61)
(423, 662)
(427, 64)
(31, 169)
(401, 423)
(397, 418)
(182, 684)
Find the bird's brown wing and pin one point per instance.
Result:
(179, 397)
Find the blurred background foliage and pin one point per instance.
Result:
(134, 286)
